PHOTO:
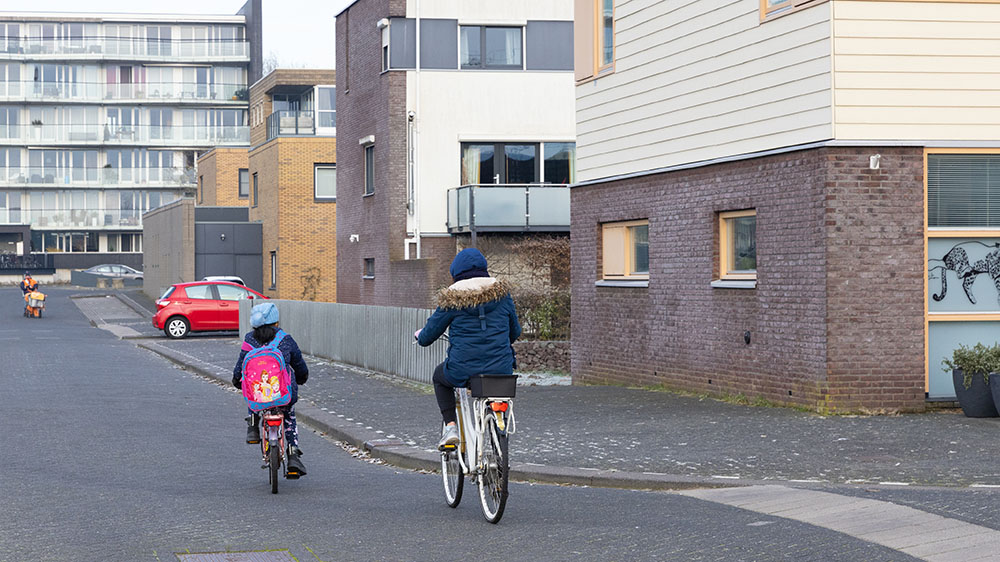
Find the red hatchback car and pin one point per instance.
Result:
(202, 306)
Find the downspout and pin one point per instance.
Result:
(413, 124)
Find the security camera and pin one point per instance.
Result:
(354, 238)
(410, 115)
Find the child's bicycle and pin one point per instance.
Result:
(272, 445)
(485, 420)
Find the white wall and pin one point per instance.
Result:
(917, 70)
(490, 11)
(461, 106)
(701, 79)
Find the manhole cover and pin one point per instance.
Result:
(256, 556)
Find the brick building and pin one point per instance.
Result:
(452, 128)
(224, 178)
(774, 221)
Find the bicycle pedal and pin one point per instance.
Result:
(292, 475)
(448, 447)
(264, 466)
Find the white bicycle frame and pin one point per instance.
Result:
(470, 425)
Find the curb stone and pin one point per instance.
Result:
(419, 459)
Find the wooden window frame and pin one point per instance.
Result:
(608, 68)
(624, 251)
(784, 7)
(724, 245)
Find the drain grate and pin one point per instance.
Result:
(255, 556)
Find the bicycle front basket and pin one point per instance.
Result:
(493, 386)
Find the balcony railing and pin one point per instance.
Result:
(125, 134)
(165, 92)
(508, 208)
(85, 218)
(285, 123)
(41, 175)
(124, 48)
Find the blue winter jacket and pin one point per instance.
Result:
(482, 324)
(293, 361)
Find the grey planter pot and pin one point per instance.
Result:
(977, 401)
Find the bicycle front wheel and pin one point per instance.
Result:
(273, 461)
(451, 473)
(493, 479)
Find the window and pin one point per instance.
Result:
(738, 245)
(625, 250)
(230, 293)
(593, 38)
(771, 7)
(244, 183)
(326, 108)
(560, 162)
(963, 190)
(481, 163)
(201, 189)
(369, 169)
(385, 48)
(199, 292)
(254, 200)
(606, 35)
(274, 270)
(326, 182)
(490, 47)
(369, 268)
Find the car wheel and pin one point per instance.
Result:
(176, 327)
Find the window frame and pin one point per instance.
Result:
(253, 181)
(784, 7)
(274, 270)
(324, 198)
(369, 177)
(626, 250)
(725, 240)
(599, 66)
(365, 274)
(482, 48)
(239, 183)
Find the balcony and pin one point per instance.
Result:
(115, 219)
(173, 93)
(126, 135)
(508, 208)
(291, 123)
(38, 176)
(115, 48)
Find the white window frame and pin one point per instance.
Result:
(316, 169)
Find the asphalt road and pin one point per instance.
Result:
(112, 453)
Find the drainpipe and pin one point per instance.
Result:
(412, 117)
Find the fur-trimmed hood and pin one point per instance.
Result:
(472, 292)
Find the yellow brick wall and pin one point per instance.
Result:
(302, 231)
(218, 173)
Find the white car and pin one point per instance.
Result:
(230, 278)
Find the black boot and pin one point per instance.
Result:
(253, 429)
(295, 466)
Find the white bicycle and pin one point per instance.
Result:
(485, 420)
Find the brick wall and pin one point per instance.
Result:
(836, 319)
(301, 230)
(219, 173)
(369, 102)
(875, 279)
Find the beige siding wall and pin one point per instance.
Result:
(916, 70)
(704, 79)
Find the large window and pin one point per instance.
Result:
(560, 162)
(490, 47)
(963, 190)
(326, 107)
(518, 163)
(369, 169)
(738, 244)
(325, 182)
(244, 183)
(625, 250)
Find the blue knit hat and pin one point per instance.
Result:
(263, 314)
(469, 263)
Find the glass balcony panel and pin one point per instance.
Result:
(463, 206)
(500, 206)
(548, 206)
(453, 208)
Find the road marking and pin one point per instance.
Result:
(908, 530)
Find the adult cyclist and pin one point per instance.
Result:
(479, 314)
(28, 285)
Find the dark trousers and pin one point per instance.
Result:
(445, 394)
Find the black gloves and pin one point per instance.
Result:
(238, 382)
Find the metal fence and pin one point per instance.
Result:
(379, 338)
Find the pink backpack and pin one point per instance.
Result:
(266, 380)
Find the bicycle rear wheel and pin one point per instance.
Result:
(493, 480)
(273, 461)
(451, 474)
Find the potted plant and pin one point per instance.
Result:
(970, 371)
(242, 94)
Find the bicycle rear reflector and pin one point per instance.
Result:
(498, 406)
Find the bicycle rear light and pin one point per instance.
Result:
(273, 422)
(498, 406)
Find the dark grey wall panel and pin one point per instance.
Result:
(249, 269)
(248, 238)
(549, 45)
(221, 214)
(439, 43)
(214, 264)
(402, 43)
(68, 260)
(218, 238)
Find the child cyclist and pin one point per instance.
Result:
(264, 321)
(479, 314)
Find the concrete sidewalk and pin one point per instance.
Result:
(621, 437)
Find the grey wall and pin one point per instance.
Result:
(438, 43)
(255, 36)
(167, 246)
(403, 43)
(549, 45)
(229, 249)
(379, 338)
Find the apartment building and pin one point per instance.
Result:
(774, 196)
(103, 116)
(457, 123)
